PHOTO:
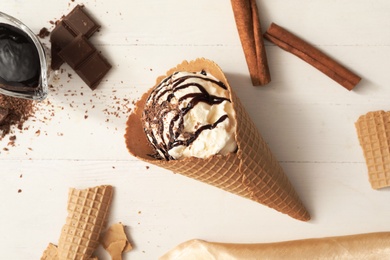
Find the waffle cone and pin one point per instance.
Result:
(373, 131)
(252, 172)
(87, 212)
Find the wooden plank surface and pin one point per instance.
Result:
(76, 137)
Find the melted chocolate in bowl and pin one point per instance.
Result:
(23, 68)
(19, 59)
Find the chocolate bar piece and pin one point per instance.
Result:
(76, 22)
(61, 36)
(3, 114)
(93, 70)
(81, 22)
(77, 51)
(56, 60)
(70, 44)
(83, 58)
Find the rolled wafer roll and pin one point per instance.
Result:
(87, 213)
(370, 246)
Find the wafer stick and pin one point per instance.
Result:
(291, 43)
(249, 29)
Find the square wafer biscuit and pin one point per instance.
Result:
(87, 213)
(373, 131)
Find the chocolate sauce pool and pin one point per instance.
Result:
(176, 125)
(19, 60)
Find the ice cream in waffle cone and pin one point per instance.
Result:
(251, 171)
(87, 213)
(373, 131)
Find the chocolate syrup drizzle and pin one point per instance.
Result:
(156, 111)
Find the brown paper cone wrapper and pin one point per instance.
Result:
(87, 213)
(252, 172)
(370, 246)
(373, 131)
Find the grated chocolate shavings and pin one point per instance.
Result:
(19, 111)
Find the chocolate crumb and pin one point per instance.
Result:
(147, 167)
(12, 140)
(44, 32)
(19, 190)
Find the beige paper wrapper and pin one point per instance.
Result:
(373, 131)
(253, 172)
(370, 246)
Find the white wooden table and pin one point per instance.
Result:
(307, 119)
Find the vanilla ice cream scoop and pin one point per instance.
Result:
(190, 114)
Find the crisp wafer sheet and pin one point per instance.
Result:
(373, 131)
(87, 213)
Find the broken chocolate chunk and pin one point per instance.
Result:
(77, 51)
(76, 22)
(93, 70)
(81, 22)
(70, 44)
(43, 33)
(56, 60)
(83, 58)
(62, 35)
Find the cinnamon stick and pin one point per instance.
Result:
(293, 44)
(249, 29)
